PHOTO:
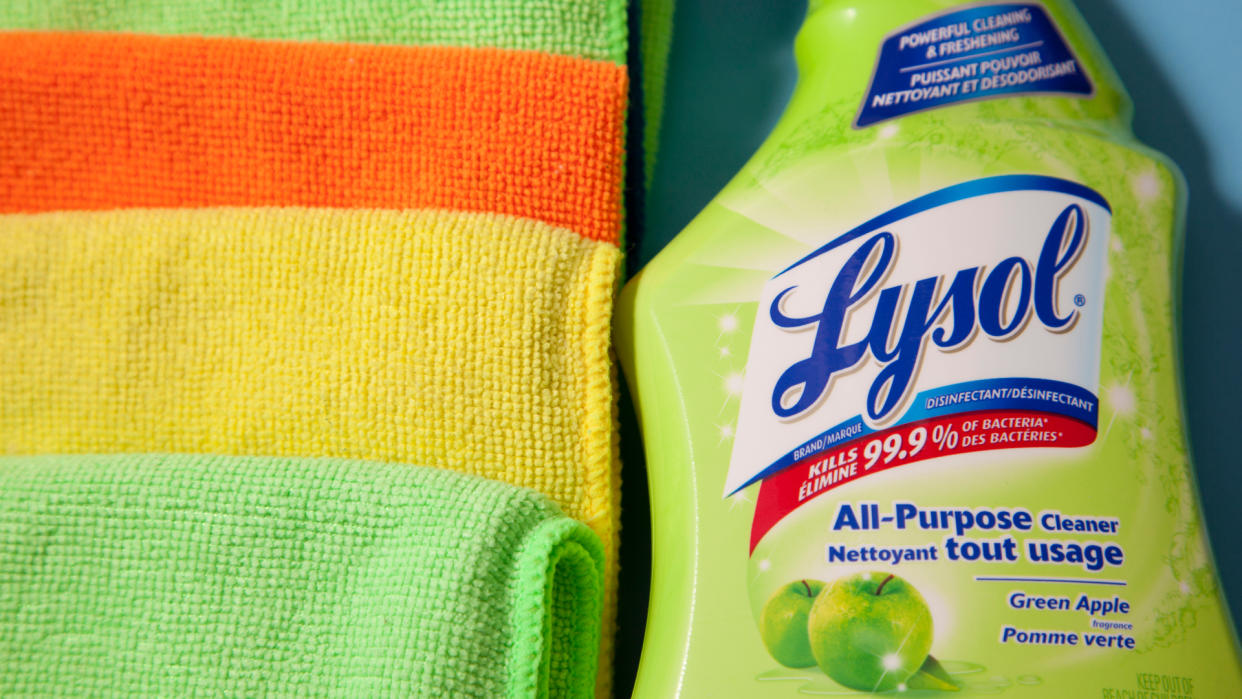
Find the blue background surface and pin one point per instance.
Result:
(731, 71)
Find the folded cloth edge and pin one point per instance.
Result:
(561, 560)
(555, 575)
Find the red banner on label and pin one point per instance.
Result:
(787, 490)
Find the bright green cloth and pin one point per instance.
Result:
(213, 576)
(584, 28)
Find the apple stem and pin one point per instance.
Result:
(880, 589)
(808, 589)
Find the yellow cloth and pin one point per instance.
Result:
(476, 342)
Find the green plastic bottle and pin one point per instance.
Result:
(908, 386)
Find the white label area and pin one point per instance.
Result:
(985, 295)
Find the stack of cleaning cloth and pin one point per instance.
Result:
(374, 243)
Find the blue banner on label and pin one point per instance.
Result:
(974, 53)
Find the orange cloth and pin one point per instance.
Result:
(104, 121)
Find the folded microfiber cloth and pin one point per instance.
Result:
(589, 29)
(466, 341)
(186, 575)
(109, 121)
(381, 252)
(594, 29)
(476, 342)
(465, 328)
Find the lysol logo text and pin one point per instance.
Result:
(999, 300)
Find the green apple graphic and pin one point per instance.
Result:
(870, 631)
(783, 623)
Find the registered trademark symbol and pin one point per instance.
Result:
(1080, 300)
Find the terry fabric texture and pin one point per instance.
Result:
(98, 121)
(594, 29)
(475, 342)
(515, 133)
(214, 576)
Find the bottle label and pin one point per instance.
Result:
(966, 320)
(978, 52)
